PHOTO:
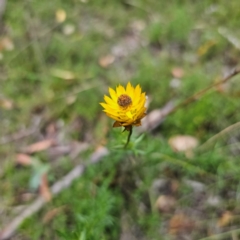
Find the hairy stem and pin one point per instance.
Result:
(129, 136)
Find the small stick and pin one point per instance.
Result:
(221, 134)
(155, 117)
(223, 235)
(203, 91)
(57, 187)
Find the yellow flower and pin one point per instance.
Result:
(126, 106)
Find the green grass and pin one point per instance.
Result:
(156, 37)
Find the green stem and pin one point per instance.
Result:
(129, 136)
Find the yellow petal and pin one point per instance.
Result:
(130, 90)
(110, 109)
(125, 116)
(120, 90)
(104, 105)
(137, 91)
(109, 101)
(142, 114)
(140, 102)
(113, 94)
(112, 112)
(113, 117)
(129, 114)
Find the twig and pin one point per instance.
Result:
(156, 117)
(58, 187)
(197, 95)
(25, 133)
(222, 235)
(221, 134)
(230, 37)
(22, 133)
(17, 136)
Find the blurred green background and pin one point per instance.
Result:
(57, 60)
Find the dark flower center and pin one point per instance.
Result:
(124, 100)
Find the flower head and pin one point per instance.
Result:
(126, 106)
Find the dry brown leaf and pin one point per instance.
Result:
(6, 44)
(165, 203)
(39, 146)
(60, 15)
(107, 60)
(51, 214)
(182, 143)
(177, 72)
(225, 219)
(180, 223)
(51, 130)
(6, 104)
(23, 159)
(44, 189)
